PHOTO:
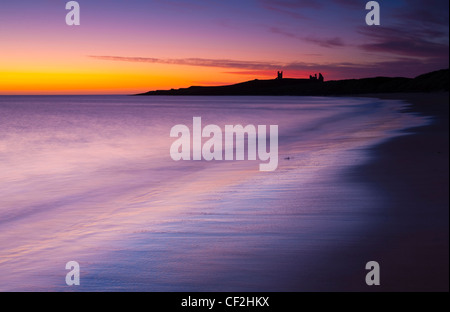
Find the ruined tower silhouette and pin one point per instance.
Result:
(279, 74)
(315, 78)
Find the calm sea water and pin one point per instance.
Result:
(90, 179)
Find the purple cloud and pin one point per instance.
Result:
(291, 8)
(417, 29)
(292, 4)
(429, 13)
(221, 63)
(279, 31)
(402, 42)
(407, 67)
(326, 42)
(323, 42)
(351, 4)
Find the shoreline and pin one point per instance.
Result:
(410, 237)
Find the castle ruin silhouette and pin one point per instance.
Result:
(311, 77)
(314, 78)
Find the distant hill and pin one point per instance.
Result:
(430, 82)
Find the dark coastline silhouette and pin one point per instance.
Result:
(430, 82)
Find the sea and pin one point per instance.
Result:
(91, 179)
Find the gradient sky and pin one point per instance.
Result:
(134, 46)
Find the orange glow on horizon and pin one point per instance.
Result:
(118, 82)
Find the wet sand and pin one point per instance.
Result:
(410, 238)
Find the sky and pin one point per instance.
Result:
(123, 47)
